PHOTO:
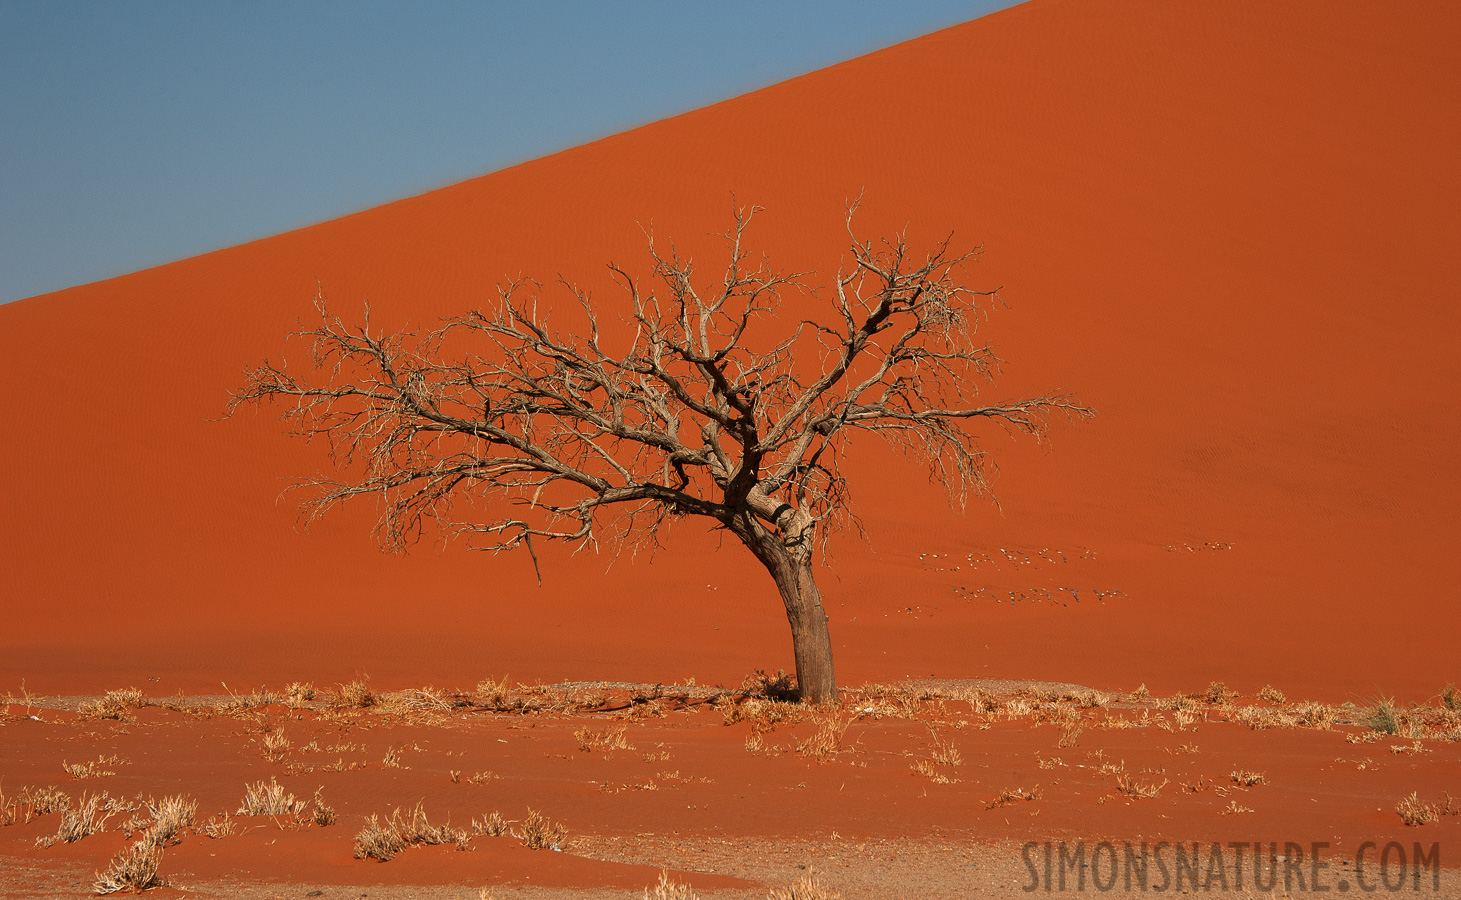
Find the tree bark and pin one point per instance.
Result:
(787, 555)
(811, 641)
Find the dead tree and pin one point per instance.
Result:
(699, 402)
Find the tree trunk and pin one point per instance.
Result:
(811, 641)
(788, 557)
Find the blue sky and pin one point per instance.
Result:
(133, 134)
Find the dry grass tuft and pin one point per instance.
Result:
(494, 693)
(1414, 812)
(112, 705)
(668, 889)
(1132, 788)
(827, 740)
(761, 686)
(537, 832)
(134, 869)
(806, 887)
(1233, 808)
(80, 771)
(170, 816)
(30, 803)
(1141, 693)
(1070, 733)
(493, 825)
(218, 827)
(299, 694)
(1217, 694)
(1383, 718)
(607, 740)
(1270, 694)
(355, 695)
(321, 813)
(269, 799)
(89, 817)
(1007, 796)
(1246, 778)
(276, 745)
(383, 840)
(1449, 698)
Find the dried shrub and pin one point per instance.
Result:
(761, 686)
(170, 816)
(493, 825)
(299, 694)
(537, 832)
(1132, 788)
(134, 869)
(321, 812)
(383, 840)
(607, 740)
(89, 817)
(1449, 698)
(1414, 812)
(807, 887)
(1217, 694)
(261, 799)
(669, 889)
(276, 745)
(1141, 693)
(355, 695)
(218, 827)
(1248, 779)
(1315, 715)
(827, 740)
(1007, 796)
(494, 693)
(31, 802)
(1270, 694)
(1070, 734)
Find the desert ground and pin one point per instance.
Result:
(1223, 609)
(914, 790)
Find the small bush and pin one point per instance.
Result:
(1270, 694)
(1217, 694)
(134, 869)
(607, 740)
(806, 887)
(383, 840)
(1449, 697)
(269, 799)
(170, 816)
(668, 889)
(493, 825)
(537, 832)
(1248, 779)
(88, 818)
(1383, 717)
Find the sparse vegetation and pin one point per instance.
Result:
(1415, 812)
(607, 740)
(1383, 718)
(1142, 790)
(269, 799)
(135, 869)
(669, 889)
(88, 817)
(807, 887)
(1248, 779)
(536, 832)
(382, 840)
(170, 816)
(492, 825)
(1270, 694)
(1007, 796)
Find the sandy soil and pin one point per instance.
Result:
(920, 791)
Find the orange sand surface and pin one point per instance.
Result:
(1231, 228)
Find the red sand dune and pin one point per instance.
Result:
(1231, 228)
